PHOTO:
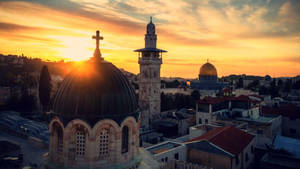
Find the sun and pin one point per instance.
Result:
(75, 48)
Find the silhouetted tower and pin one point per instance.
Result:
(150, 59)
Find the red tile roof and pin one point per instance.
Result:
(258, 96)
(211, 100)
(227, 90)
(230, 139)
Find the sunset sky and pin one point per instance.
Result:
(255, 37)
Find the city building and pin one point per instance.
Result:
(290, 118)
(10, 154)
(283, 153)
(4, 94)
(210, 108)
(174, 123)
(168, 151)
(222, 148)
(243, 112)
(207, 82)
(97, 119)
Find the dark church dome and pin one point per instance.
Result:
(95, 90)
(208, 69)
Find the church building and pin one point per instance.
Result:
(97, 119)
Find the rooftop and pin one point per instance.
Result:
(163, 147)
(279, 161)
(260, 119)
(291, 110)
(149, 50)
(289, 144)
(230, 139)
(215, 100)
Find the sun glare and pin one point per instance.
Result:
(75, 48)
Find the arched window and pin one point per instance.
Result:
(125, 139)
(80, 144)
(58, 139)
(104, 144)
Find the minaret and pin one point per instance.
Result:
(150, 59)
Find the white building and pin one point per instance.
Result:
(168, 151)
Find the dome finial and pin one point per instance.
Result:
(207, 60)
(150, 19)
(97, 52)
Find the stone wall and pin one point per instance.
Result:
(92, 158)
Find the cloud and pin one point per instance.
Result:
(293, 59)
(236, 33)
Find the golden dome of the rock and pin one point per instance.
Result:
(208, 70)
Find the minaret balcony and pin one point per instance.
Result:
(150, 60)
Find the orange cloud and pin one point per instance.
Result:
(237, 40)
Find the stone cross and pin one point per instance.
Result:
(98, 38)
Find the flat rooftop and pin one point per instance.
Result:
(260, 119)
(156, 149)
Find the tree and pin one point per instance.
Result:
(280, 83)
(253, 85)
(45, 88)
(195, 95)
(27, 102)
(274, 90)
(173, 84)
(240, 83)
(263, 91)
(288, 85)
(12, 103)
(296, 85)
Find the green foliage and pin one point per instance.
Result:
(296, 85)
(45, 88)
(176, 101)
(195, 95)
(263, 90)
(26, 103)
(274, 89)
(253, 85)
(173, 84)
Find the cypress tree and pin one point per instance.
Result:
(45, 88)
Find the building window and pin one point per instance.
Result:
(60, 142)
(293, 131)
(125, 139)
(200, 121)
(58, 132)
(252, 149)
(206, 121)
(104, 144)
(176, 156)
(80, 144)
(237, 160)
(246, 157)
(166, 159)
